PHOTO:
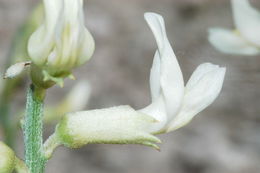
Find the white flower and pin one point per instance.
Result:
(245, 39)
(173, 105)
(62, 42)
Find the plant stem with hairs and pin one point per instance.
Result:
(33, 127)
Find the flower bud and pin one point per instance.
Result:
(16, 69)
(62, 42)
(7, 159)
(116, 125)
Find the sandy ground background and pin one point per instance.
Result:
(223, 138)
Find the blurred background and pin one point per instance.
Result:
(223, 138)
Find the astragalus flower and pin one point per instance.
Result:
(62, 42)
(173, 105)
(245, 38)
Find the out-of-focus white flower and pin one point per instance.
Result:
(245, 39)
(7, 159)
(75, 100)
(173, 105)
(78, 97)
(62, 42)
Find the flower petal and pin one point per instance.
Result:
(41, 41)
(116, 125)
(247, 20)
(155, 76)
(202, 89)
(199, 73)
(157, 110)
(87, 47)
(165, 72)
(230, 42)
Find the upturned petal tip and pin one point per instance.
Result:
(202, 89)
(166, 80)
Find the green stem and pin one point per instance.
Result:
(34, 155)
